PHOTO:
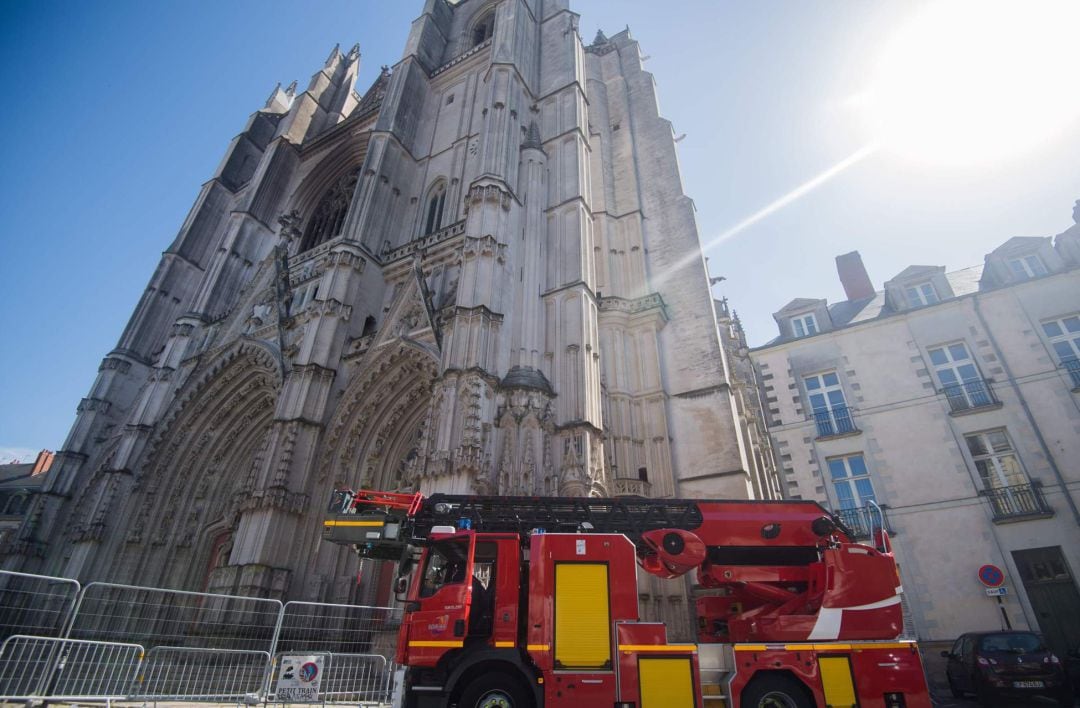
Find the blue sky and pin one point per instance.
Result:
(117, 111)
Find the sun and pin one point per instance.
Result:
(969, 82)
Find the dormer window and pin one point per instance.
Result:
(1026, 267)
(804, 325)
(921, 294)
(483, 29)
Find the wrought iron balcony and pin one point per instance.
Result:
(970, 395)
(864, 522)
(1018, 502)
(1073, 367)
(834, 421)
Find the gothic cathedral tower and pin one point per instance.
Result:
(481, 275)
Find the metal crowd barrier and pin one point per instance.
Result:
(67, 669)
(176, 618)
(35, 604)
(110, 642)
(213, 675)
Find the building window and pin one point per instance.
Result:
(804, 325)
(854, 496)
(483, 29)
(328, 219)
(830, 410)
(921, 294)
(435, 203)
(960, 380)
(1064, 336)
(851, 482)
(1002, 477)
(1027, 267)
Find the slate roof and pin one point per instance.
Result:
(852, 312)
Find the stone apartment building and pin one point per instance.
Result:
(443, 283)
(952, 401)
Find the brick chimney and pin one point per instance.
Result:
(853, 276)
(43, 462)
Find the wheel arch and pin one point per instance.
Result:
(777, 677)
(507, 661)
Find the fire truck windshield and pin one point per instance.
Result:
(445, 565)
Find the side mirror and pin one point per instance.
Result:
(946, 654)
(401, 585)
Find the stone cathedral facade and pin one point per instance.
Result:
(479, 275)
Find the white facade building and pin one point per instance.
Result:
(952, 400)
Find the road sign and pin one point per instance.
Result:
(991, 576)
(997, 592)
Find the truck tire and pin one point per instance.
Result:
(775, 692)
(494, 691)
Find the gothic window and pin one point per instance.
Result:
(328, 218)
(433, 218)
(483, 28)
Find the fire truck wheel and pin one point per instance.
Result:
(494, 691)
(775, 692)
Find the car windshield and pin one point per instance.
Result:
(1013, 642)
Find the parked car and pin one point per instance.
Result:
(1072, 668)
(1012, 665)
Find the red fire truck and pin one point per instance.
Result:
(533, 601)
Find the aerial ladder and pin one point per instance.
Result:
(512, 602)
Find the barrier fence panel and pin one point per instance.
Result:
(307, 627)
(357, 678)
(174, 618)
(35, 604)
(67, 669)
(185, 674)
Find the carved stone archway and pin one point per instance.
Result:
(380, 413)
(187, 489)
(371, 443)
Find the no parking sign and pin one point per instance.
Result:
(991, 576)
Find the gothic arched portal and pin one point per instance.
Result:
(373, 438)
(182, 508)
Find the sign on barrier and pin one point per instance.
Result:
(299, 678)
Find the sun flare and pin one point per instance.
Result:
(976, 81)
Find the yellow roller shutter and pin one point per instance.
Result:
(582, 625)
(666, 682)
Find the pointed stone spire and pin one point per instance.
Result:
(273, 95)
(600, 38)
(354, 53)
(290, 90)
(334, 54)
(532, 138)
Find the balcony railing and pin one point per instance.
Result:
(834, 421)
(628, 487)
(970, 395)
(1073, 367)
(864, 522)
(1018, 502)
